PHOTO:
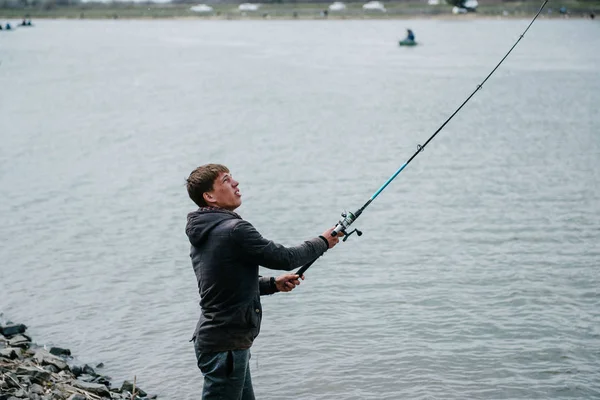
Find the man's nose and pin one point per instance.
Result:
(235, 183)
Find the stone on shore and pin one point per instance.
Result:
(10, 352)
(58, 351)
(95, 388)
(12, 329)
(128, 387)
(28, 371)
(19, 340)
(45, 358)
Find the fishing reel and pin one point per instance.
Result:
(344, 223)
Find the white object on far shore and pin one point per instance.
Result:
(248, 7)
(471, 4)
(203, 8)
(337, 6)
(374, 5)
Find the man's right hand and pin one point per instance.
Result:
(332, 240)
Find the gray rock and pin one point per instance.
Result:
(76, 370)
(51, 368)
(28, 352)
(89, 370)
(10, 352)
(12, 329)
(128, 386)
(25, 380)
(76, 396)
(94, 388)
(19, 341)
(43, 357)
(36, 375)
(105, 380)
(11, 380)
(35, 388)
(86, 378)
(59, 351)
(59, 394)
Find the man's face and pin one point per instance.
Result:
(225, 193)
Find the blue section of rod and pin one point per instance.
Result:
(388, 181)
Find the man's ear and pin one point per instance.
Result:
(208, 198)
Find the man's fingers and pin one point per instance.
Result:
(289, 281)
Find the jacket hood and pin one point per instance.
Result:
(203, 220)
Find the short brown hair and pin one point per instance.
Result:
(201, 181)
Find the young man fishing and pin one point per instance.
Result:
(226, 252)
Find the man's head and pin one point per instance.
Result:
(212, 185)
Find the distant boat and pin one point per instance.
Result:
(407, 42)
(337, 6)
(248, 7)
(202, 8)
(374, 5)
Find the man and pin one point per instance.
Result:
(226, 252)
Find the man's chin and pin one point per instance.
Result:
(234, 207)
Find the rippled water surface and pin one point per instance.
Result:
(477, 276)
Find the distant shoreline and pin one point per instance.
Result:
(298, 11)
(444, 17)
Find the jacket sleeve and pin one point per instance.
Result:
(264, 285)
(272, 255)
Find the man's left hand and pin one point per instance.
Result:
(287, 282)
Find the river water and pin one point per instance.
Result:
(477, 276)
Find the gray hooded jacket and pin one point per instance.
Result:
(226, 252)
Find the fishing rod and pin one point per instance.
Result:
(348, 217)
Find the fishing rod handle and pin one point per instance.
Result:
(303, 269)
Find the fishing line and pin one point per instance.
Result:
(348, 218)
